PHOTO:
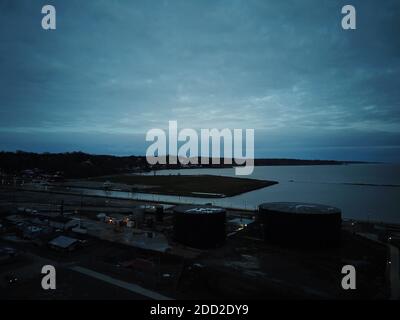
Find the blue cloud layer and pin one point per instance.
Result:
(118, 68)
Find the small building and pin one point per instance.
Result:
(79, 230)
(64, 243)
(31, 232)
(101, 216)
(56, 222)
(240, 222)
(7, 254)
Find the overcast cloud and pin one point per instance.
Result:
(114, 69)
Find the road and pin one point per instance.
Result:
(394, 273)
(122, 284)
(394, 268)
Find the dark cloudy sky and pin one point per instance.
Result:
(114, 69)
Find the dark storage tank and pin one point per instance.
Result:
(159, 213)
(295, 223)
(200, 227)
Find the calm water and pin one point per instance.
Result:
(322, 184)
(332, 185)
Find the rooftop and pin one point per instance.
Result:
(299, 208)
(63, 242)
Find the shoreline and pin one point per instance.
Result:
(198, 185)
(155, 202)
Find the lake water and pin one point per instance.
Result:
(362, 191)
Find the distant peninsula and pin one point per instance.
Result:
(83, 165)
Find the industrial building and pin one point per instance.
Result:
(57, 222)
(200, 227)
(64, 243)
(293, 223)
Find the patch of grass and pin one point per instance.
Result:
(189, 185)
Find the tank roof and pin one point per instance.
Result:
(299, 208)
(193, 209)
